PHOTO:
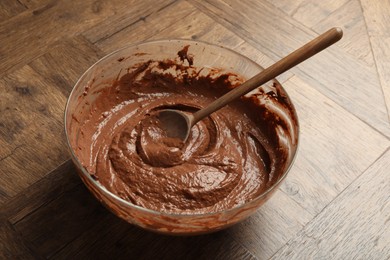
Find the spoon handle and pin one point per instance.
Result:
(306, 51)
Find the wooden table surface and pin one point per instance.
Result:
(335, 202)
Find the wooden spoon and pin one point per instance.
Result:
(178, 124)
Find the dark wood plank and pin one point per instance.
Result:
(11, 246)
(79, 55)
(60, 221)
(121, 242)
(262, 235)
(58, 217)
(58, 19)
(41, 192)
(36, 120)
(31, 118)
(106, 230)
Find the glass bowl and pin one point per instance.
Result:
(208, 56)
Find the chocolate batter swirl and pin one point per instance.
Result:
(226, 161)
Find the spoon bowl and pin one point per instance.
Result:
(176, 123)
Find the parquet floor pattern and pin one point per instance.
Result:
(335, 203)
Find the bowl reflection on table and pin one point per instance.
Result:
(206, 56)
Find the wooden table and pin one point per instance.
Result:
(335, 202)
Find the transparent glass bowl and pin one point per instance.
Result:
(208, 56)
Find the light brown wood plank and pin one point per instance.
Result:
(260, 58)
(380, 47)
(275, 223)
(311, 12)
(198, 26)
(308, 12)
(50, 23)
(36, 120)
(136, 12)
(193, 26)
(287, 6)
(209, 31)
(284, 34)
(143, 29)
(335, 148)
(355, 40)
(186, 23)
(376, 14)
(356, 225)
(222, 36)
(219, 35)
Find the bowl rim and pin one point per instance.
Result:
(102, 188)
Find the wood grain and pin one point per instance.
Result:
(260, 58)
(48, 188)
(35, 4)
(381, 51)
(192, 26)
(377, 17)
(33, 121)
(336, 232)
(291, 60)
(136, 242)
(311, 13)
(37, 119)
(287, 35)
(272, 226)
(10, 8)
(345, 151)
(51, 22)
(355, 40)
(377, 20)
(75, 210)
(11, 246)
(287, 6)
(144, 29)
(334, 202)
